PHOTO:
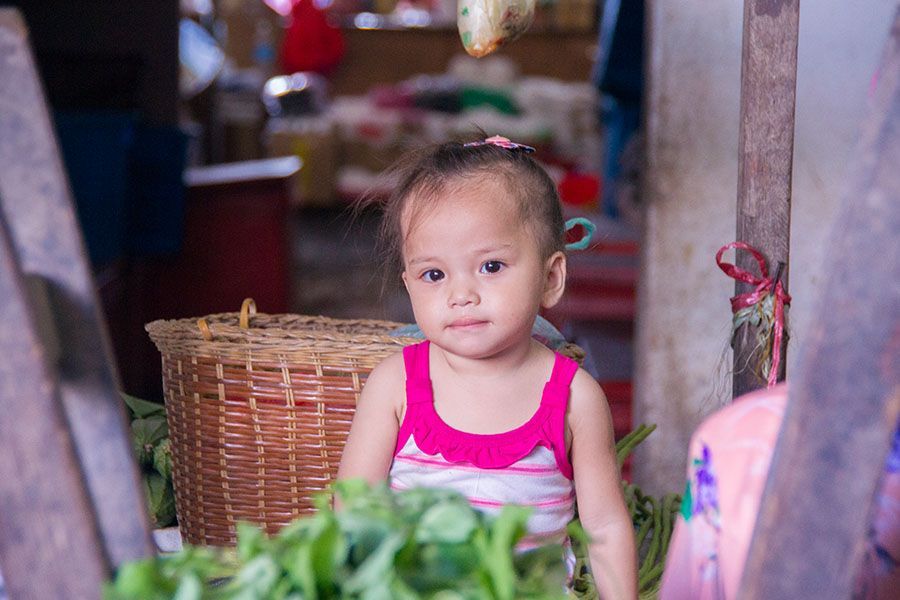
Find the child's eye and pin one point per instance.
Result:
(433, 275)
(492, 266)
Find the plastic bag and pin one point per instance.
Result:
(485, 25)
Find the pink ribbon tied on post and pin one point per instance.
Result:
(764, 286)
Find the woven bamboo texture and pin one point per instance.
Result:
(259, 407)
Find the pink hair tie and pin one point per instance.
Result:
(500, 142)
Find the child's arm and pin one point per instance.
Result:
(598, 486)
(373, 433)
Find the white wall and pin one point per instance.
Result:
(682, 355)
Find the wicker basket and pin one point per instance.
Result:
(259, 407)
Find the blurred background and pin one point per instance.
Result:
(214, 148)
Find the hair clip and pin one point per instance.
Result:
(589, 229)
(500, 142)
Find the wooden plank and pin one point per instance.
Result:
(49, 543)
(37, 206)
(845, 396)
(765, 155)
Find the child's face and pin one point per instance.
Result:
(474, 272)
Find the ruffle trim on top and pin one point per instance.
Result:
(434, 436)
(486, 451)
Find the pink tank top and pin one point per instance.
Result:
(527, 466)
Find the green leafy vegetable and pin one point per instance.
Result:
(143, 408)
(413, 545)
(152, 449)
(162, 458)
(160, 499)
(417, 544)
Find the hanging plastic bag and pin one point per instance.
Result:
(485, 25)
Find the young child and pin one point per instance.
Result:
(481, 407)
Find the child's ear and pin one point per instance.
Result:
(405, 281)
(554, 280)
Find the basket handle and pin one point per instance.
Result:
(203, 326)
(248, 309)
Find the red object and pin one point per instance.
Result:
(618, 394)
(236, 245)
(765, 285)
(580, 189)
(310, 42)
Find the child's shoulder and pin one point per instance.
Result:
(391, 368)
(585, 392)
(385, 385)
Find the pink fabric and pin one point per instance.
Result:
(434, 437)
(728, 465)
(527, 466)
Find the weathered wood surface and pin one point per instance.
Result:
(765, 156)
(49, 543)
(845, 394)
(37, 207)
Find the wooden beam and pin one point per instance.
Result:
(845, 395)
(37, 207)
(49, 543)
(765, 156)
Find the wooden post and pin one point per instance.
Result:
(49, 543)
(844, 398)
(39, 214)
(765, 156)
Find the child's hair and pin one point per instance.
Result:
(426, 173)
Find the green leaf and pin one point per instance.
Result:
(377, 567)
(160, 499)
(379, 590)
(537, 569)
(257, 578)
(447, 595)
(162, 458)
(190, 588)
(140, 580)
(329, 553)
(437, 567)
(251, 541)
(414, 502)
(205, 563)
(298, 565)
(349, 490)
(143, 408)
(506, 530)
(447, 522)
(401, 591)
(145, 433)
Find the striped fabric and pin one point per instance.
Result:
(526, 466)
(534, 481)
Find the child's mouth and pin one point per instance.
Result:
(467, 323)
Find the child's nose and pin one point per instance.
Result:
(463, 294)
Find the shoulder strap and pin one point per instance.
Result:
(418, 381)
(556, 392)
(556, 397)
(564, 369)
(415, 358)
(418, 389)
